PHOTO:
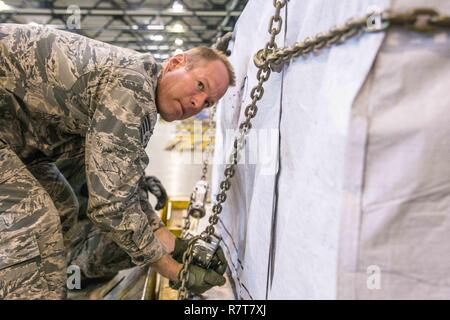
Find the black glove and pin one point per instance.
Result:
(218, 262)
(155, 187)
(200, 280)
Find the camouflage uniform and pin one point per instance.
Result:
(61, 96)
(91, 249)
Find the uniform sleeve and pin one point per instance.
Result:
(116, 160)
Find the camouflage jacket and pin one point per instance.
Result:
(80, 95)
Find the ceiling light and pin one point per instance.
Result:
(160, 56)
(54, 26)
(155, 27)
(156, 37)
(178, 27)
(178, 41)
(135, 27)
(177, 51)
(4, 6)
(177, 7)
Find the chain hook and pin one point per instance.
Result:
(259, 59)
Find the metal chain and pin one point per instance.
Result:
(183, 292)
(186, 226)
(419, 19)
(206, 155)
(256, 94)
(250, 112)
(210, 146)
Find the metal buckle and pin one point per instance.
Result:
(375, 21)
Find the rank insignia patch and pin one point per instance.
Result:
(145, 130)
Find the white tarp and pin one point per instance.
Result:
(345, 187)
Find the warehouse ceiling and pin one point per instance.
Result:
(159, 26)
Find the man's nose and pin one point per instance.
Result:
(198, 101)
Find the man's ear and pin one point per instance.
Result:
(177, 61)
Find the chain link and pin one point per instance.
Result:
(186, 226)
(210, 146)
(183, 293)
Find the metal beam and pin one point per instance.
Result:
(122, 40)
(92, 27)
(118, 12)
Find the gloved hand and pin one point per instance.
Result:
(200, 280)
(218, 262)
(155, 187)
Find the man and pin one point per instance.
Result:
(65, 96)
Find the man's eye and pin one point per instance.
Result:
(200, 86)
(207, 104)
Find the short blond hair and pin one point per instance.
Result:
(198, 54)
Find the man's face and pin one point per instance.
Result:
(182, 93)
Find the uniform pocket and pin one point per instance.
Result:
(21, 276)
(10, 163)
